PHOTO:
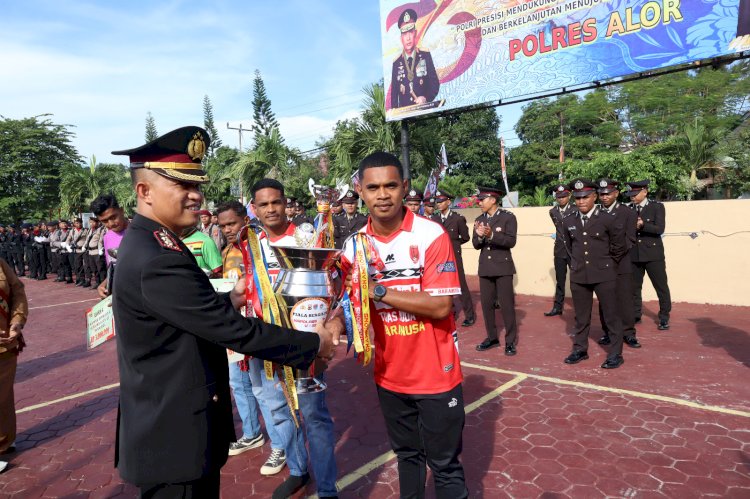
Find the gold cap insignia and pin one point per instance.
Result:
(407, 18)
(196, 147)
(579, 185)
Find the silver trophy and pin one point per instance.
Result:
(310, 294)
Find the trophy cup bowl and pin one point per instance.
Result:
(310, 293)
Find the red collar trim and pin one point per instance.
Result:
(289, 232)
(406, 225)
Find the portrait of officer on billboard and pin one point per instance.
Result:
(742, 41)
(413, 79)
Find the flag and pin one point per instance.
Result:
(502, 164)
(441, 161)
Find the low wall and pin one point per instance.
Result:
(712, 268)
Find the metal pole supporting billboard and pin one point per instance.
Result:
(405, 149)
(240, 130)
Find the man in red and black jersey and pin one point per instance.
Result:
(417, 368)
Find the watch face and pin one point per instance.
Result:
(379, 291)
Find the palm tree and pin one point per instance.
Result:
(697, 147)
(541, 197)
(269, 158)
(80, 185)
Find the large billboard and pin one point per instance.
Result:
(440, 55)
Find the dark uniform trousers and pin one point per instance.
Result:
(624, 284)
(596, 249)
(343, 227)
(648, 257)
(496, 270)
(174, 423)
(455, 225)
(561, 257)
(426, 429)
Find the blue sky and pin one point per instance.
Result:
(101, 66)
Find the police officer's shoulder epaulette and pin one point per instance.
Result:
(568, 215)
(166, 240)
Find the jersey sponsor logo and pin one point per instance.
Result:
(404, 329)
(448, 368)
(453, 402)
(443, 291)
(446, 267)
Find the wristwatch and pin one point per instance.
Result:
(379, 292)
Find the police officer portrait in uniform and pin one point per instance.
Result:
(494, 235)
(458, 232)
(175, 419)
(561, 257)
(413, 77)
(348, 222)
(429, 207)
(609, 191)
(413, 201)
(596, 245)
(648, 253)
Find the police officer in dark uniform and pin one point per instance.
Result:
(350, 221)
(561, 257)
(494, 235)
(3, 238)
(15, 250)
(413, 201)
(27, 243)
(175, 415)
(41, 243)
(336, 208)
(413, 77)
(648, 253)
(455, 225)
(609, 190)
(429, 206)
(300, 217)
(596, 245)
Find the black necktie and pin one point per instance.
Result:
(638, 210)
(584, 219)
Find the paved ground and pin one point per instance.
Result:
(674, 421)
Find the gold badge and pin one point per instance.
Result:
(197, 147)
(407, 17)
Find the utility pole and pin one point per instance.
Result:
(240, 130)
(405, 150)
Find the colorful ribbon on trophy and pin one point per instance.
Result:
(323, 224)
(356, 302)
(267, 305)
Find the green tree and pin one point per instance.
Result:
(269, 158)
(32, 153)
(733, 162)
(264, 120)
(541, 197)
(219, 168)
(80, 185)
(208, 124)
(151, 133)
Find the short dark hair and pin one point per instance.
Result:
(103, 203)
(234, 206)
(379, 160)
(267, 183)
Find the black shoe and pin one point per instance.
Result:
(555, 311)
(613, 362)
(576, 357)
(510, 350)
(69, 281)
(637, 320)
(43, 278)
(663, 325)
(59, 279)
(86, 285)
(631, 341)
(487, 344)
(497, 305)
(605, 340)
(290, 486)
(79, 284)
(468, 322)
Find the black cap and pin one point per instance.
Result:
(413, 195)
(633, 188)
(429, 202)
(582, 187)
(350, 197)
(607, 185)
(11, 226)
(561, 191)
(26, 226)
(176, 155)
(441, 196)
(290, 201)
(486, 192)
(407, 21)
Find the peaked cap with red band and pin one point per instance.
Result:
(486, 192)
(582, 187)
(176, 155)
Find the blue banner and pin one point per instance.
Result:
(440, 55)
